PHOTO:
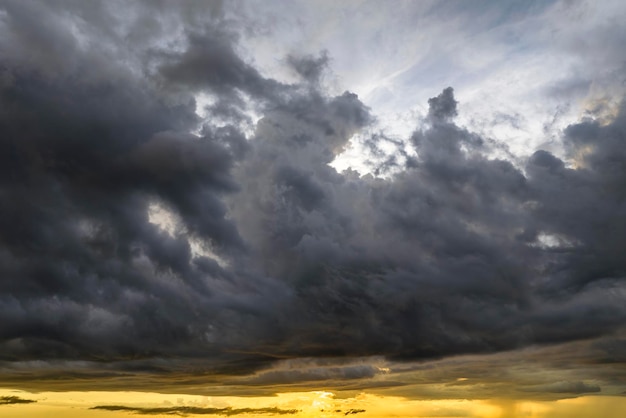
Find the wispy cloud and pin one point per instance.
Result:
(196, 410)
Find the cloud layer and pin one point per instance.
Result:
(271, 253)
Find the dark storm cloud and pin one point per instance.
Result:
(584, 206)
(455, 253)
(444, 258)
(84, 156)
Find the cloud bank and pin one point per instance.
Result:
(271, 253)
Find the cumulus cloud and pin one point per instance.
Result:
(456, 253)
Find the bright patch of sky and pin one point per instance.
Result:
(521, 73)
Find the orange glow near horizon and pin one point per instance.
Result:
(323, 404)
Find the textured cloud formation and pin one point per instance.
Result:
(273, 254)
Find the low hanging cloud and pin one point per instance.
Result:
(455, 253)
(12, 400)
(565, 387)
(196, 410)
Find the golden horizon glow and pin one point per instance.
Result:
(324, 404)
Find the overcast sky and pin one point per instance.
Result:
(252, 197)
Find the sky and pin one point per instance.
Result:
(312, 208)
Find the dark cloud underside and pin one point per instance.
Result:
(456, 253)
(11, 400)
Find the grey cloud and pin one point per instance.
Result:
(442, 107)
(583, 205)
(534, 373)
(498, 375)
(451, 226)
(85, 272)
(303, 375)
(210, 62)
(565, 387)
(309, 67)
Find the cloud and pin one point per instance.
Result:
(302, 372)
(353, 411)
(209, 62)
(309, 67)
(10, 400)
(197, 410)
(456, 253)
(565, 387)
(442, 107)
